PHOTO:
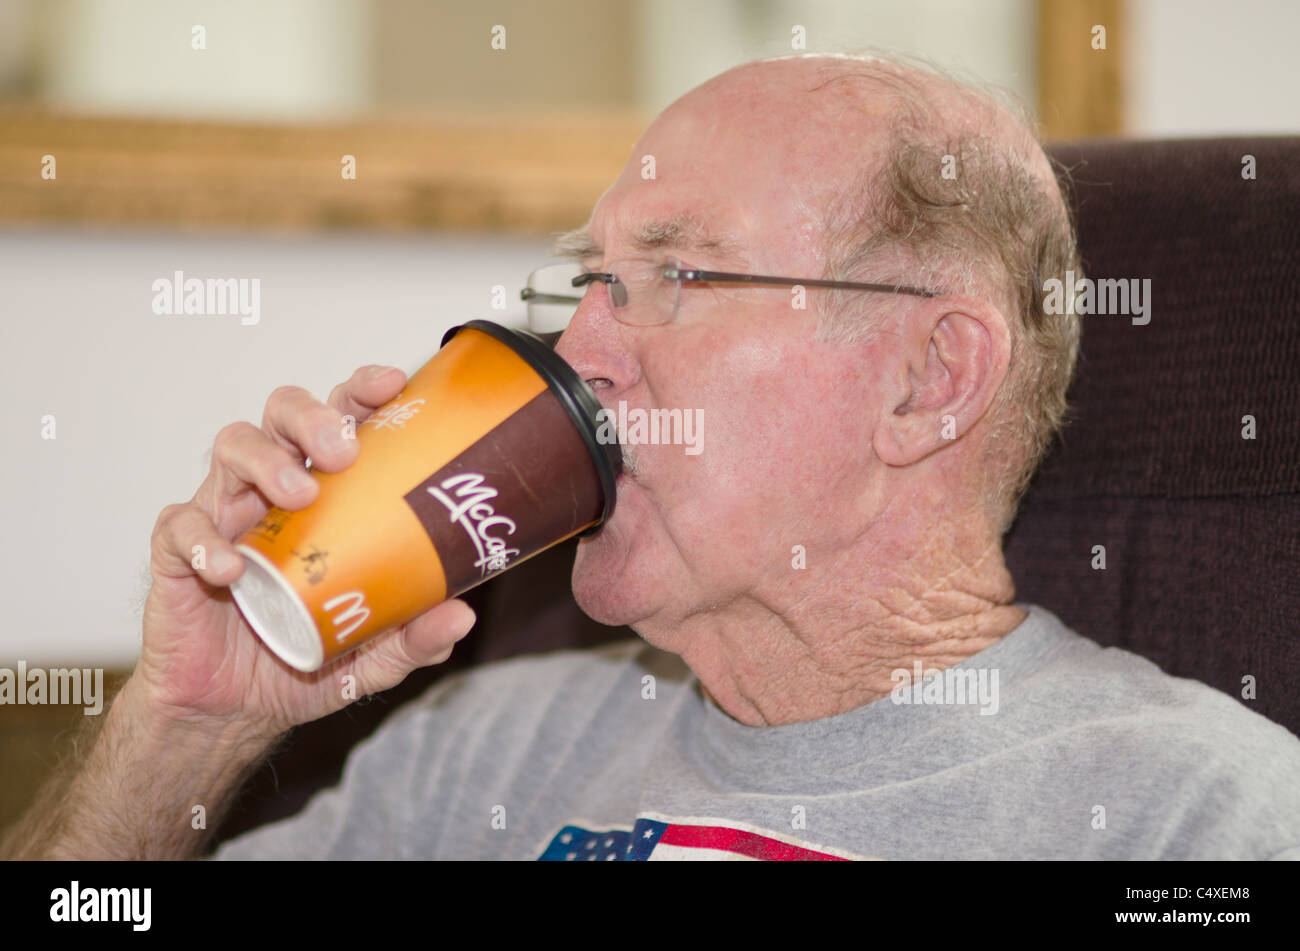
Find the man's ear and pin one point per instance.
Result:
(952, 356)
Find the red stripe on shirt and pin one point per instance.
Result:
(741, 842)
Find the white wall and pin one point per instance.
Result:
(283, 59)
(138, 397)
(1206, 67)
(684, 42)
(1195, 67)
(307, 58)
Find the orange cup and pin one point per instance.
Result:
(488, 456)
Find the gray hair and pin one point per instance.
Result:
(995, 228)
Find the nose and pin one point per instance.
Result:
(598, 347)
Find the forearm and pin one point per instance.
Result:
(135, 793)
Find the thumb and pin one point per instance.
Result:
(428, 639)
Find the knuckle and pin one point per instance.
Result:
(394, 664)
(388, 664)
(167, 517)
(231, 434)
(281, 403)
(284, 394)
(343, 392)
(177, 528)
(323, 415)
(302, 413)
(189, 521)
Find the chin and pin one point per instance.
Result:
(617, 573)
(599, 583)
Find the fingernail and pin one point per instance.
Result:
(470, 621)
(295, 480)
(375, 372)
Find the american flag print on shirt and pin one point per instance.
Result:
(655, 838)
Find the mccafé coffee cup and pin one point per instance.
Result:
(488, 456)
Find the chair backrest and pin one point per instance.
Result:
(1200, 525)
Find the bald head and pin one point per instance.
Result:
(835, 116)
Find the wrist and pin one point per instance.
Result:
(156, 724)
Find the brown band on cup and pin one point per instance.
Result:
(498, 502)
(573, 394)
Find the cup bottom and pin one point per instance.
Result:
(274, 610)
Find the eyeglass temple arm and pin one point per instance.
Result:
(529, 294)
(691, 274)
(585, 278)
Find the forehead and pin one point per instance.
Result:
(740, 171)
(681, 231)
(705, 210)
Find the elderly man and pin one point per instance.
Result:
(805, 587)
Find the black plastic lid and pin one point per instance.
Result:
(574, 395)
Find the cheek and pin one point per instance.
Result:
(784, 441)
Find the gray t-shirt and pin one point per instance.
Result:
(1058, 749)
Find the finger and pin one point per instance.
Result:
(387, 660)
(367, 389)
(433, 635)
(305, 426)
(245, 456)
(186, 542)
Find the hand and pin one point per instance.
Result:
(200, 660)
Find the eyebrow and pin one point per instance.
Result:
(681, 232)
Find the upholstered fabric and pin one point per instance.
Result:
(1201, 527)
